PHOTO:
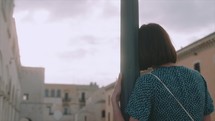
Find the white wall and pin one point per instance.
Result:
(10, 89)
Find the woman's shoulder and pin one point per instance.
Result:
(145, 76)
(187, 70)
(175, 68)
(168, 70)
(145, 72)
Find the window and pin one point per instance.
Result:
(197, 66)
(108, 99)
(82, 100)
(103, 113)
(66, 96)
(108, 116)
(46, 93)
(26, 97)
(65, 111)
(85, 118)
(53, 93)
(50, 110)
(58, 93)
(82, 96)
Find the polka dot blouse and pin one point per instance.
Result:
(150, 101)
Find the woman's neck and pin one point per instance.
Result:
(168, 64)
(165, 65)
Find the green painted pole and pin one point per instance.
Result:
(129, 44)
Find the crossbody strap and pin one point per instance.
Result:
(173, 96)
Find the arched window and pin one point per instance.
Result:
(197, 66)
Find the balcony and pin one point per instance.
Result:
(66, 99)
(82, 102)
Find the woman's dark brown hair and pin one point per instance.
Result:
(155, 47)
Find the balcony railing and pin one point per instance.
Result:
(66, 99)
(82, 100)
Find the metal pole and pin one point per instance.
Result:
(129, 53)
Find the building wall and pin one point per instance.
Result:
(32, 83)
(92, 112)
(67, 106)
(10, 89)
(203, 53)
(108, 104)
(84, 115)
(95, 107)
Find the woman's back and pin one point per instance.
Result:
(150, 100)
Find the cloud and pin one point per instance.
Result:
(78, 41)
(110, 9)
(87, 46)
(59, 9)
(77, 54)
(84, 40)
(180, 16)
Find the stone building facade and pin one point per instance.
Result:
(108, 105)
(12, 83)
(10, 87)
(200, 55)
(94, 109)
(63, 102)
(32, 85)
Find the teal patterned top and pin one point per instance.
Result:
(150, 101)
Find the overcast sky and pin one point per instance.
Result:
(77, 41)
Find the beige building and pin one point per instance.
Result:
(10, 88)
(200, 55)
(12, 74)
(94, 109)
(108, 105)
(63, 102)
(32, 85)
